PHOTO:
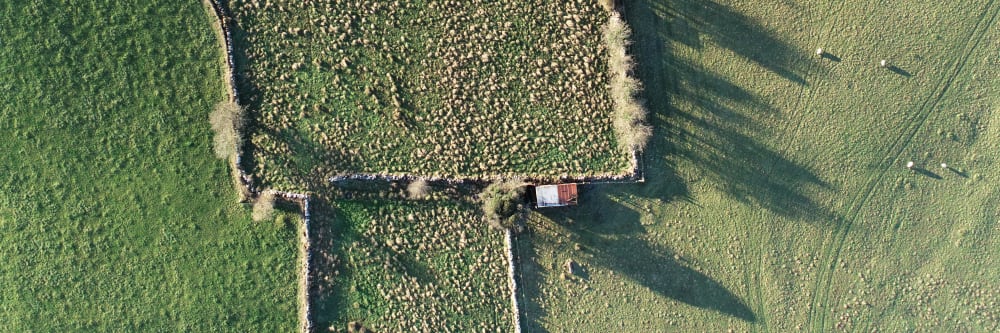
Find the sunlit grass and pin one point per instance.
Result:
(114, 215)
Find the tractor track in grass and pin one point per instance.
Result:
(828, 26)
(752, 279)
(806, 91)
(825, 277)
(992, 22)
(758, 276)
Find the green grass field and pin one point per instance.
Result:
(397, 265)
(777, 197)
(114, 215)
(458, 90)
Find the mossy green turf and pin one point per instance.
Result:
(400, 265)
(777, 196)
(114, 215)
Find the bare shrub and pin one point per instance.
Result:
(226, 119)
(418, 189)
(629, 113)
(502, 203)
(608, 5)
(263, 207)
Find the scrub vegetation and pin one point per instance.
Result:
(227, 120)
(390, 263)
(476, 89)
(503, 203)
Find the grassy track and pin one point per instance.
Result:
(777, 197)
(114, 216)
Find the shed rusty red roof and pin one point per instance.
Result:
(556, 195)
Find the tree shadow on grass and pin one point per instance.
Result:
(658, 269)
(327, 232)
(529, 271)
(705, 122)
(307, 155)
(249, 92)
(337, 283)
(616, 240)
(703, 119)
(693, 22)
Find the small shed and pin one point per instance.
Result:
(556, 195)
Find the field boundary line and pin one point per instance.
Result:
(305, 255)
(512, 279)
(246, 180)
(635, 177)
(222, 16)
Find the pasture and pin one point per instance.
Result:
(395, 264)
(470, 89)
(114, 215)
(777, 197)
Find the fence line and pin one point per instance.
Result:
(512, 279)
(305, 252)
(246, 180)
(305, 316)
(635, 176)
(222, 15)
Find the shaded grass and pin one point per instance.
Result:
(393, 264)
(113, 214)
(776, 178)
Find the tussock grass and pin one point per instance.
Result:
(430, 89)
(399, 265)
(629, 113)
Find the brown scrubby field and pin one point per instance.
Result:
(477, 89)
(396, 265)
